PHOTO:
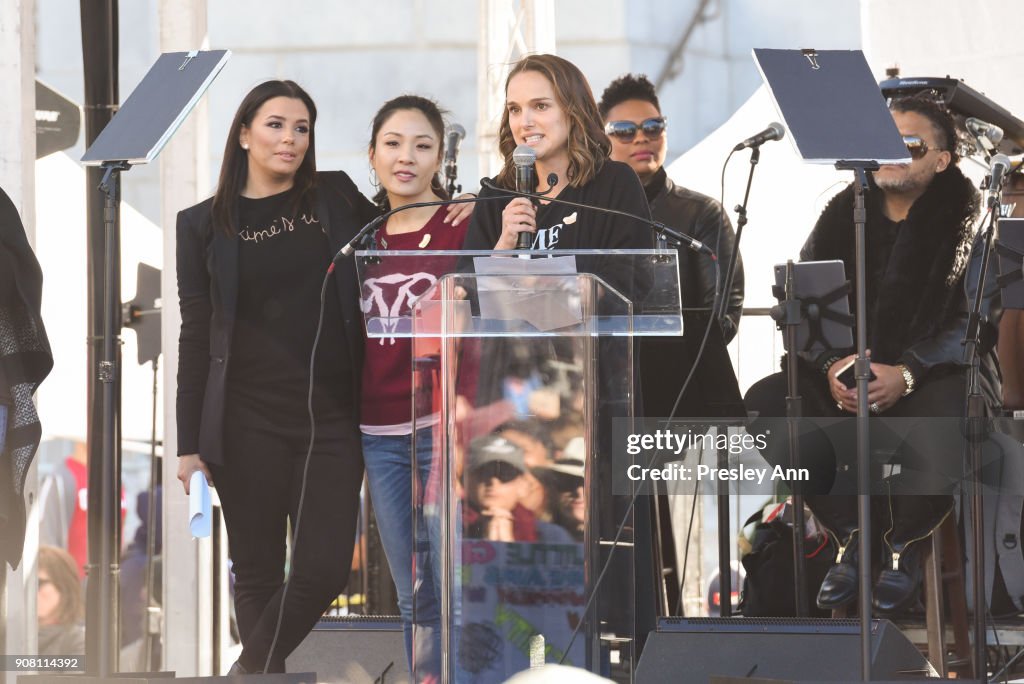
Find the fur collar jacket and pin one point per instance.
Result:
(915, 288)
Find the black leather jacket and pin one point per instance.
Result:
(699, 216)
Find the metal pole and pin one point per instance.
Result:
(862, 371)
(99, 57)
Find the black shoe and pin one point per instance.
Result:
(839, 587)
(898, 583)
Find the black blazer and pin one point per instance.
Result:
(207, 261)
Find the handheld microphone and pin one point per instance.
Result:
(525, 158)
(675, 238)
(983, 129)
(453, 137)
(775, 131)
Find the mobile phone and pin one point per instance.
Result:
(845, 374)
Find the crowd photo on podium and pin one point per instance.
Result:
(434, 377)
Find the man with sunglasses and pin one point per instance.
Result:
(919, 233)
(637, 131)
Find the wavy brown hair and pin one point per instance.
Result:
(588, 146)
(234, 169)
(63, 572)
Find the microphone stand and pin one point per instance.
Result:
(741, 220)
(977, 434)
(724, 551)
(451, 173)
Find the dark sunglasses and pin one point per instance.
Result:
(626, 130)
(503, 471)
(569, 485)
(917, 147)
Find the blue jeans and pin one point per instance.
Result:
(389, 472)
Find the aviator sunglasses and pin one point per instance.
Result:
(917, 147)
(626, 130)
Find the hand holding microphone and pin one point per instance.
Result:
(525, 159)
(518, 224)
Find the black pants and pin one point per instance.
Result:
(259, 487)
(930, 453)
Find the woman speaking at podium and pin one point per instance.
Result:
(550, 108)
(251, 263)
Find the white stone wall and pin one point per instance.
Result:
(976, 41)
(352, 59)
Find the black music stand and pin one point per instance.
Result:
(136, 135)
(832, 106)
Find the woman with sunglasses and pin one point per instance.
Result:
(251, 264)
(636, 129)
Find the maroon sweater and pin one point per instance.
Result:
(388, 368)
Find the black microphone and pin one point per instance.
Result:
(775, 131)
(673, 236)
(453, 136)
(983, 129)
(525, 158)
(998, 169)
(368, 229)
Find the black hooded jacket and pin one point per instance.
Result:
(25, 360)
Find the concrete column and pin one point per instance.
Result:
(188, 583)
(508, 30)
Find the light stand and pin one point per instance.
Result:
(103, 596)
(136, 135)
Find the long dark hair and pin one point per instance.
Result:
(588, 145)
(234, 169)
(435, 117)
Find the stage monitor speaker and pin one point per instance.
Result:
(359, 649)
(809, 649)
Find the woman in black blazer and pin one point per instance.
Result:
(251, 262)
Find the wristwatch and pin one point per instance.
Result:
(908, 378)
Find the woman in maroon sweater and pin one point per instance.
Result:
(405, 154)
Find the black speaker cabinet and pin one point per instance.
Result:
(355, 650)
(810, 650)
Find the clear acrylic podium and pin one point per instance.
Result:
(519, 366)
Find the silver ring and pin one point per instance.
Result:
(875, 408)
(839, 405)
